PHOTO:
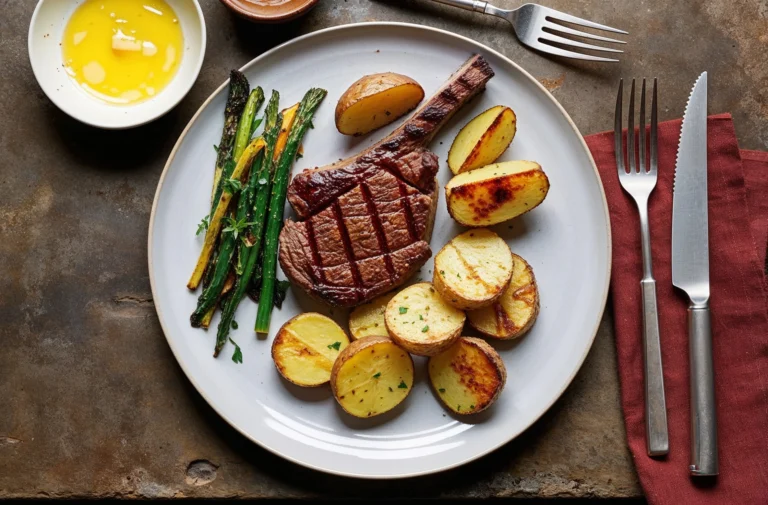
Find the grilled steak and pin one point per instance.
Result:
(365, 222)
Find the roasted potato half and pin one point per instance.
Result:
(371, 376)
(496, 193)
(376, 100)
(513, 314)
(483, 139)
(306, 347)
(468, 376)
(421, 321)
(473, 269)
(368, 319)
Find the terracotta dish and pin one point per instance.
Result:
(270, 11)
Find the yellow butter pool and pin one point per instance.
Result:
(123, 51)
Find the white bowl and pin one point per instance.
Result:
(45, 34)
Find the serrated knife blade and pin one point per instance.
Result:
(690, 237)
(690, 272)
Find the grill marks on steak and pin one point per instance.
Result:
(357, 246)
(366, 220)
(314, 189)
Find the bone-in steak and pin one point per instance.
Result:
(365, 222)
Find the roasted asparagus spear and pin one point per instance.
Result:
(307, 108)
(249, 251)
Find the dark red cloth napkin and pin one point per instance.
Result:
(738, 233)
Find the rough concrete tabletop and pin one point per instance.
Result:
(92, 402)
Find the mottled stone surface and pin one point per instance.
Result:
(92, 403)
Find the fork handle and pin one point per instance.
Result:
(469, 5)
(656, 432)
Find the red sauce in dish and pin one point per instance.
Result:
(270, 10)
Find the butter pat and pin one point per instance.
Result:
(123, 42)
(148, 48)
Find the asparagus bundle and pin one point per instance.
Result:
(249, 251)
(307, 108)
(219, 263)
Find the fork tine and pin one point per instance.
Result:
(631, 131)
(546, 48)
(618, 149)
(562, 40)
(654, 136)
(577, 33)
(553, 15)
(641, 143)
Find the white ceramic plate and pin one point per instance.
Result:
(566, 240)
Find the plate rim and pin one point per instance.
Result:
(482, 47)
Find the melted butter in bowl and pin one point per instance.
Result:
(123, 51)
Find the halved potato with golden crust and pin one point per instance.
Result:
(306, 347)
(483, 139)
(368, 319)
(376, 100)
(473, 269)
(468, 376)
(371, 376)
(496, 193)
(513, 314)
(421, 321)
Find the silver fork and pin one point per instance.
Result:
(538, 27)
(639, 182)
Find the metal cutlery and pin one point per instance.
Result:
(540, 28)
(690, 273)
(639, 182)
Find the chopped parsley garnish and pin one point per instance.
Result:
(232, 186)
(402, 385)
(377, 375)
(442, 272)
(425, 329)
(390, 389)
(471, 407)
(458, 275)
(421, 318)
(237, 356)
(203, 226)
(335, 346)
(403, 310)
(442, 390)
(236, 227)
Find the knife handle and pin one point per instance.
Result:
(703, 415)
(656, 432)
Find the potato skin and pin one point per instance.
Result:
(489, 134)
(423, 345)
(494, 286)
(390, 96)
(486, 384)
(498, 198)
(504, 323)
(355, 348)
(427, 348)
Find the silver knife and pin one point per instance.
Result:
(690, 273)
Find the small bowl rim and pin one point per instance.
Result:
(158, 113)
(237, 9)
